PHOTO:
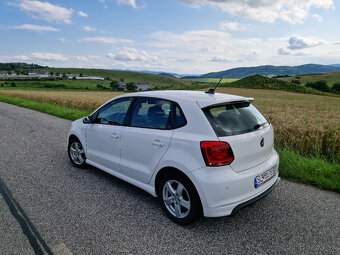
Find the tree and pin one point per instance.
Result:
(131, 86)
(114, 85)
(74, 78)
(81, 74)
(336, 87)
(51, 73)
(318, 85)
(122, 79)
(64, 76)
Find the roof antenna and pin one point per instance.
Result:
(212, 91)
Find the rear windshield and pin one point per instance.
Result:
(234, 118)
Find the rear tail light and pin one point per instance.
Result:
(217, 153)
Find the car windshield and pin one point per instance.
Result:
(234, 118)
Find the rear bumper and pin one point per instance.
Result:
(224, 192)
(253, 200)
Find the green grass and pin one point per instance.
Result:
(211, 80)
(56, 110)
(314, 171)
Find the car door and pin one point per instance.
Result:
(147, 139)
(103, 135)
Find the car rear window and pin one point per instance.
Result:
(234, 118)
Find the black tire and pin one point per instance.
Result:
(184, 216)
(71, 146)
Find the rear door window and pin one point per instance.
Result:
(152, 113)
(235, 118)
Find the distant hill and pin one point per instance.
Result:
(261, 82)
(19, 66)
(269, 70)
(128, 76)
(337, 65)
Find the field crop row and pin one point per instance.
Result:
(307, 123)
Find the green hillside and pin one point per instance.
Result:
(18, 66)
(261, 82)
(330, 78)
(155, 80)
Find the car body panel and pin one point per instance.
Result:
(103, 145)
(141, 150)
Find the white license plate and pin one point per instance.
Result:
(264, 177)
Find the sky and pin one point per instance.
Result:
(179, 36)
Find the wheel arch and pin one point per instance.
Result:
(168, 169)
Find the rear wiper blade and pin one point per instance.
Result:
(257, 126)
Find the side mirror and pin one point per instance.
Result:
(87, 120)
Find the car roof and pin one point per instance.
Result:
(203, 99)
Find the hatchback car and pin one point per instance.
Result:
(200, 153)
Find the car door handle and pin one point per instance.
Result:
(114, 136)
(157, 143)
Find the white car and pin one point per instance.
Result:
(200, 153)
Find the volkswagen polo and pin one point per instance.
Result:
(201, 153)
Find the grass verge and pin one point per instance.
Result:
(52, 109)
(315, 171)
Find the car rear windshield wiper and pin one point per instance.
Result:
(257, 126)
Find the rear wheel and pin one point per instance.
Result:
(76, 153)
(179, 199)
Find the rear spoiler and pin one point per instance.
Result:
(222, 102)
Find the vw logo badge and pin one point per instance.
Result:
(262, 142)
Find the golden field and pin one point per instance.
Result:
(308, 123)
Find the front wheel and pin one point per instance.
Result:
(179, 199)
(76, 153)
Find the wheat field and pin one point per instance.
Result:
(308, 123)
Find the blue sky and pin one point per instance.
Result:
(182, 36)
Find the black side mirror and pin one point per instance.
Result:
(87, 120)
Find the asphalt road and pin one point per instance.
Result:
(48, 206)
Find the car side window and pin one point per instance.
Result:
(114, 112)
(180, 120)
(152, 113)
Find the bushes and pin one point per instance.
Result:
(319, 85)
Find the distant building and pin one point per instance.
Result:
(3, 72)
(143, 85)
(122, 85)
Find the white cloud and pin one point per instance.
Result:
(234, 26)
(219, 59)
(63, 40)
(22, 58)
(108, 40)
(88, 28)
(283, 51)
(317, 17)
(292, 11)
(132, 54)
(46, 56)
(35, 27)
(46, 11)
(82, 14)
(128, 2)
(298, 42)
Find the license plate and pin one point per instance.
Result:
(264, 177)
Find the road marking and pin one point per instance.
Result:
(61, 249)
